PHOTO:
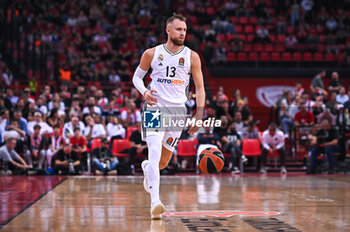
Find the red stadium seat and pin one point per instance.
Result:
(243, 20)
(318, 56)
(250, 38)
(231, 56)
(247, 47)
(275, 56)
(221, 37)
(321, 48)
(258, 48)
(281, 38)
(280, 48)
(264, 56)
(234, 20)
(251, 147)
(186, 148)
(253, 20)
(253, 56)
(95, 144)
(118, 146)
(296, 56)
(130, 130)
(307, 56)
(249, 29)
(290, 29)
(230, 37)
(238, 29)
(286, 56)
(329, 57)
(242, 37)
(268, 48)
(242, 56)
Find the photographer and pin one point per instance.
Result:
(103, 159)
(67, 161)
(326, 142)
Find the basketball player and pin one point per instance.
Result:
(171, 65)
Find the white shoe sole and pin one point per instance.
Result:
(145, 181)
(156, 211)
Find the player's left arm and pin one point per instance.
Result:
(196, 69)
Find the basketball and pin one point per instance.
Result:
(211, 160)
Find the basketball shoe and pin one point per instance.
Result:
(157, 209)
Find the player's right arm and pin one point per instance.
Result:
(140, 72)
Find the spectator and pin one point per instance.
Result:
(6, 77)
(295, 13)
(101, 99)
(55, 119)
(251, 132)
(317, 86)
(291, 43)
(130, 115)
(342, 97)
(331, 24)
(79, 146)
(332, 103)
(91, 107)
(93, 130)
(304, 117)
(45, 128)
(262, 35)
(327, 142)
(286, 116)
(343, 123)
(347, 104)
(318, 107)
(11, 159)
(67, 161)
(335, 83)
(11, 97)
(35, 147)
(56, 98)
(69, 127)
(41, 106)
(231, 142)
(21, 121)
(240, 124)
(103, 159)
(55, 143)
(272, 142)
(326, 115)
(115, 130)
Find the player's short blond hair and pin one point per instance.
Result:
(175, 16)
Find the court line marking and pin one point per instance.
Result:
(31, 203)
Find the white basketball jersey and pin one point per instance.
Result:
(171, 74)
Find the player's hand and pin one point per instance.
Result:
(149, 97)
(194, 129)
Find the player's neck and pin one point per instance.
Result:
(171, 47)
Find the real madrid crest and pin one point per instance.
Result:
(160, 59)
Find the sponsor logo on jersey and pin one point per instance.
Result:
(181, 61)
(170, 82)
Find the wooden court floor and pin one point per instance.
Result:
(193, 203)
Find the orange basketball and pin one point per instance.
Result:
(211, 160)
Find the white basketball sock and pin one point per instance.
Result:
(154, 144)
